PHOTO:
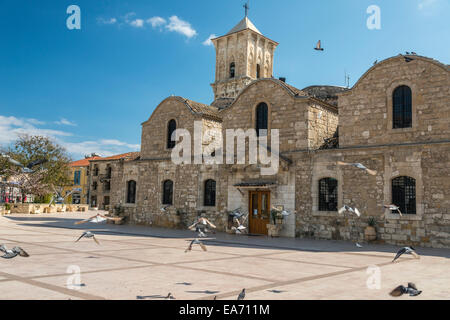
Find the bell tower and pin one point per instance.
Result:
(242, 55)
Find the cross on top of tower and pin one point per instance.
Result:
(247, 7)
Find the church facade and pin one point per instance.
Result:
(394, 120)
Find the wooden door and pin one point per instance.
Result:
(259, 213)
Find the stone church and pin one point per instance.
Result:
(394, 120)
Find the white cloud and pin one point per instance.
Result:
(180, 26)
(156, 21)
(106, 21)
(208, 41)
(426, 3)
(12, 127)
(66, 122)
(104, 148)
(137, 23)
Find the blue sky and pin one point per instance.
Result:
(90, 89)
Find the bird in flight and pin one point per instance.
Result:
(349, 209)
(393, 207)
(359, 166)
(88, 234)
(319, 46)
(12, 253)
(285, 213)
(407, 250)
(98, 218)
(358, 245)
(241, 295)
(195, 241)
(201, 222)
(25, 168)
(411, 289)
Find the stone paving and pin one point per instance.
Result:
(136, 262)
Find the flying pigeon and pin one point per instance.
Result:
(169, 297)
(349, 209)
(59, 198)
(201, 221)
(407, 250)
(359, 166)
(411, 289)
(195, 241)
(285, 213)
(241, 295)
(393, 207)
(12, 253)
(407, 52)
(237, 213)
(319, 46)
(88, 234)
(358, 245)
(98, 219)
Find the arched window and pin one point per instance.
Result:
(210, 193)
(402, 107)
(131, 191)
(168, 192)
(404, 194)
(328, 192)
(171, 127)
(261, 117)
(232, 70)
(258, 71)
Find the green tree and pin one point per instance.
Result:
(53, 173)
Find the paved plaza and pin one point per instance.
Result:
(137, 262)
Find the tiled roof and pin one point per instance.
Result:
(222, 103)
(325, 93)
(203, 109)
(83, 162)
(126, 156)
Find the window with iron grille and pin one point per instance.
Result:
(131, 191)
(261, 117)
(171, 127)
(210, 193)
(402, 107)
(232, 70)
(328, 200)
(168, 192)
(404, 194)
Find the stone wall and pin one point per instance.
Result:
(365, 111)
(429, 165)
